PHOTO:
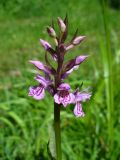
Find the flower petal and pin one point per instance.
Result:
(56, 98)
(37, 92)
(50, 89)
(78, 112)
(82, 97)
(43, 81)
(67, 99)
(64, 86)
(64, 99)
(72, 98)
(63, 96)
(42, 67)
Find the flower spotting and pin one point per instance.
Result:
(63, 96)
(38, 92)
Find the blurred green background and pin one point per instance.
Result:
(25, 123)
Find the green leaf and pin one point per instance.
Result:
(20, 122)
(51, 143)
(7, 122)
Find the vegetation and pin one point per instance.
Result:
(25, 124)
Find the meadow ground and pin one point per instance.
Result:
(25, 124)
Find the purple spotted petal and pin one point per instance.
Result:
(56, 98)
(78, 112)
(43, 81)
(82, 97)
(37, 92)
(45, 44)
(64, 98)
(42, 67)
(64, 86)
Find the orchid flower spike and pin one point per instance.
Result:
(53, 76)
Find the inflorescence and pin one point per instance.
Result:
(53, 79)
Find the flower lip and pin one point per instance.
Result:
(37, 92)
(78, 112)
(64, 97)
(64, 86)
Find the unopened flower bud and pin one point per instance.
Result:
(56, 42)
(51, 32)
(45, 44)
(69, 47)
(80, 59)
(79, 39)
(61, 24)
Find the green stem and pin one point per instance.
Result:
(57, 130)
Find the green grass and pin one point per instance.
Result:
(25, 123)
